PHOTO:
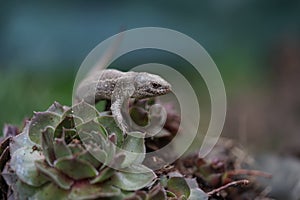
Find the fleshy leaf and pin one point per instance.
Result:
(134, 149)
(82, 170)
(139, 116)
(69, 134)
(87, 191)
(90, 158)
(133, 178)
(39, 122)
(75, 148)
(22, 162)
(21, 140)
(50, 192)
(22, 191)
(103, 175)
(84, 111)
(91, 126)
(61, 149)
(117, 160)
(99, 154)
(102, 149)
(179, 187)
(110, 125)
(56, 176)
(66, 123)
(47, 144)
(57, 108)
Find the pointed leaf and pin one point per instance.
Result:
(22, 191)
(57, 108)
(179, 187)
(22, 162)
(47, 144)
(133, 178)
(85, 111)
(39, 122)
(21, 140)
(69, 135)
(99, 155)
(61, 149)
(50, 192)
(87, 191)
(91, 126)
(110, 125)
(139, 116)
(117, 161)
(103, 175)
(90, 158)
(76, 168)
(66, 123)
(56, 176)
(134, 149)
(76, 148)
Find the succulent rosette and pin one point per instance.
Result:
(75, 157)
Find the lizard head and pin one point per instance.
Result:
(150, 85)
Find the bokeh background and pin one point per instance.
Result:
(255, 44)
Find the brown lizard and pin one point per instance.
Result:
(119, 87)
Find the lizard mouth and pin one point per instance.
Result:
(162, 90)
(167, 89)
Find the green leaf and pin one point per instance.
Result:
(179, 186)
(47, 144)
(133, 178)
(66, 123)
(57, 108)
(75, 168)
(91, 126)
(100, 155)
(90, 158)
(56, 176)
(61, 149)
(84, 111)
(134, 149)
(39, 122)
(21, 140)
(110, 125)
(117, 160)
(76, 148)
(103, 175)
(22, 191)
(50, 192)
(22, 162)
(101, 148)
(139, 116)
(95, 191)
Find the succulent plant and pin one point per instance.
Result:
(172, 186)
(75, 157)
(80, 153)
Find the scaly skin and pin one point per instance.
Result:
(119, 87)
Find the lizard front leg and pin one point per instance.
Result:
(124, 89)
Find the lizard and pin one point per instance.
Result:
(119, 87)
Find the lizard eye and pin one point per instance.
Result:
(156, 85)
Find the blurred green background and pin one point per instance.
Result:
(43, 44)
